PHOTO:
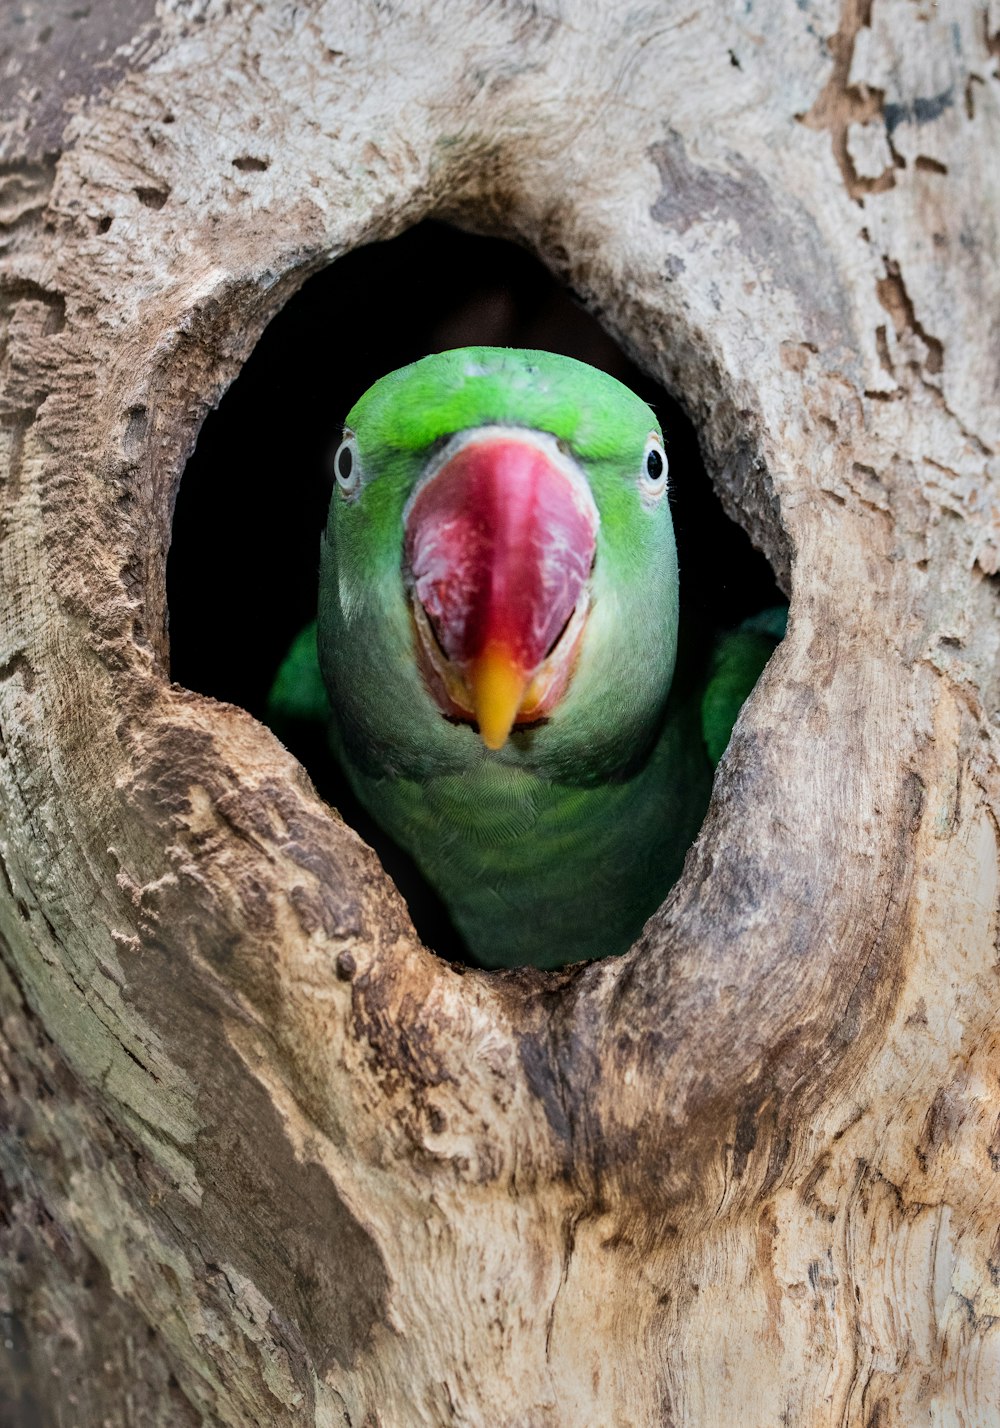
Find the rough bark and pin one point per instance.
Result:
(267, 1159)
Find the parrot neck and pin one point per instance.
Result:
(589, 863)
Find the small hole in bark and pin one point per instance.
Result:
(134, 435)
(103, 224)
(248, 164)
(152, 197)
(243, 566)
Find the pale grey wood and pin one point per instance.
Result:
(746, 1174)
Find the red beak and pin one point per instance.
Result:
(499, 544)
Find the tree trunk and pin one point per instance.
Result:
(267, 1159)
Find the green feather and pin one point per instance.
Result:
(298, 692)
(738, 661)
(408, 410)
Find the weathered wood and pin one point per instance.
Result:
(746, 1174)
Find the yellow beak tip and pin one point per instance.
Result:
(498, 687)
(494, 738)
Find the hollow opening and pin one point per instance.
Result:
(243, 565)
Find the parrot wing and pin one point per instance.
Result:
(298, 693)
(737, 663)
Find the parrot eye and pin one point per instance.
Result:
(346, 467)
(653, 481)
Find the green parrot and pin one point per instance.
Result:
(498, 635)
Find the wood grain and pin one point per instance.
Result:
(301, 1170)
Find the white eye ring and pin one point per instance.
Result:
(347, 465)
(653, 478)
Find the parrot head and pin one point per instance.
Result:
(498, 574)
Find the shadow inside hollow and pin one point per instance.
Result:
(244, 556)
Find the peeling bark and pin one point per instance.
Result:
(266, 1158)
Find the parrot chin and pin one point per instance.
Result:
(500, 540)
